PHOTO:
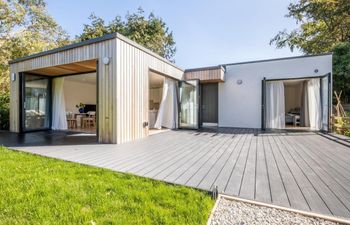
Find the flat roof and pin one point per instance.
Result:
(278, 59)
(92, 41)
(66, 47)
(255, 61)
(204, 68)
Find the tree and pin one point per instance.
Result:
(25, 28)
(151, 31)
(341, 70)
(322, 25)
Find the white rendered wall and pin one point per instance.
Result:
(240, 105)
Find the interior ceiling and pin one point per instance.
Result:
(155, 80)
(72, 68)
(89, 78)
(293, 82)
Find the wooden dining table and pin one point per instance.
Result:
(80, 119)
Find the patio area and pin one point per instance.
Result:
(301, 170)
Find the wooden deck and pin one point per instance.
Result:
(301, 170)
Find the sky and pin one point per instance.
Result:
(207, 33)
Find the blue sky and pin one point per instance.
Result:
(206, 32)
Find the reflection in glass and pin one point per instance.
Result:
(189, 104)
(36, 102)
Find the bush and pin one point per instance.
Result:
(347, 133)
(4, 111)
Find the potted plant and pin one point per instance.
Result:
(80, 107)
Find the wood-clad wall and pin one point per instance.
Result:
(106, 81)
(122, 85)
(205, 75)
(133, 67)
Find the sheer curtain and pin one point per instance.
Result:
(59, 120)
(168, 109)
(275, 111)
(314, 98)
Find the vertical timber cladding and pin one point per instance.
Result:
(14, 102)
(107, 80)
(133, 65)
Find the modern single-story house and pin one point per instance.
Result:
(122, 91)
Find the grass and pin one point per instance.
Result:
(39, 190)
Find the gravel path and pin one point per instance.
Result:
(239, 213)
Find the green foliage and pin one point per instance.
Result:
(25, 28)
(322, 25)
(341, 70)
(151, 31)
(39, 190)
(347, 133)
(4, 111)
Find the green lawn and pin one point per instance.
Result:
(39, 190)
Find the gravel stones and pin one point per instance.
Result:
(240, 213)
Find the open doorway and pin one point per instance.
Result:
(296, 107)
(80, 102)
(298, 104)
(162, 103)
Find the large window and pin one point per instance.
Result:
(36, 105)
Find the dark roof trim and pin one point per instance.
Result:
(205, 68)
(67, 47)
(277, 59)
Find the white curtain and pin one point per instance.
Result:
(59, 120)
(275, 111)
(167, 113)
(314, 96)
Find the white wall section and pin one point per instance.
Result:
(240, 105)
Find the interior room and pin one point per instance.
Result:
(162, 103)
(294, 104)
(80, 102)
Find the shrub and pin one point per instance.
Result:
(4, 111)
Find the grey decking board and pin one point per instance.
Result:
(297, 199)
(183, 167)
(332, 201)
(174, 166)
(197, 164)
(182, 153)
(315, 201)
(211, 158)
(247, 188)
(329, 158)
(234, 183)
(224, 175)
(262, 183)
(208, 181)
(126, 161)
(153, 157)
(338, 154)
(279, 193)
(331, 171)
(331, 193)
(342, 194)
(203, 170)
(192, 150)
(117, 151)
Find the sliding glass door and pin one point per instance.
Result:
(326, 101)
(36, 100)
(189, 104)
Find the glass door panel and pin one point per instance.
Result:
(36, 103)
(325, 100)
(189, 104)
